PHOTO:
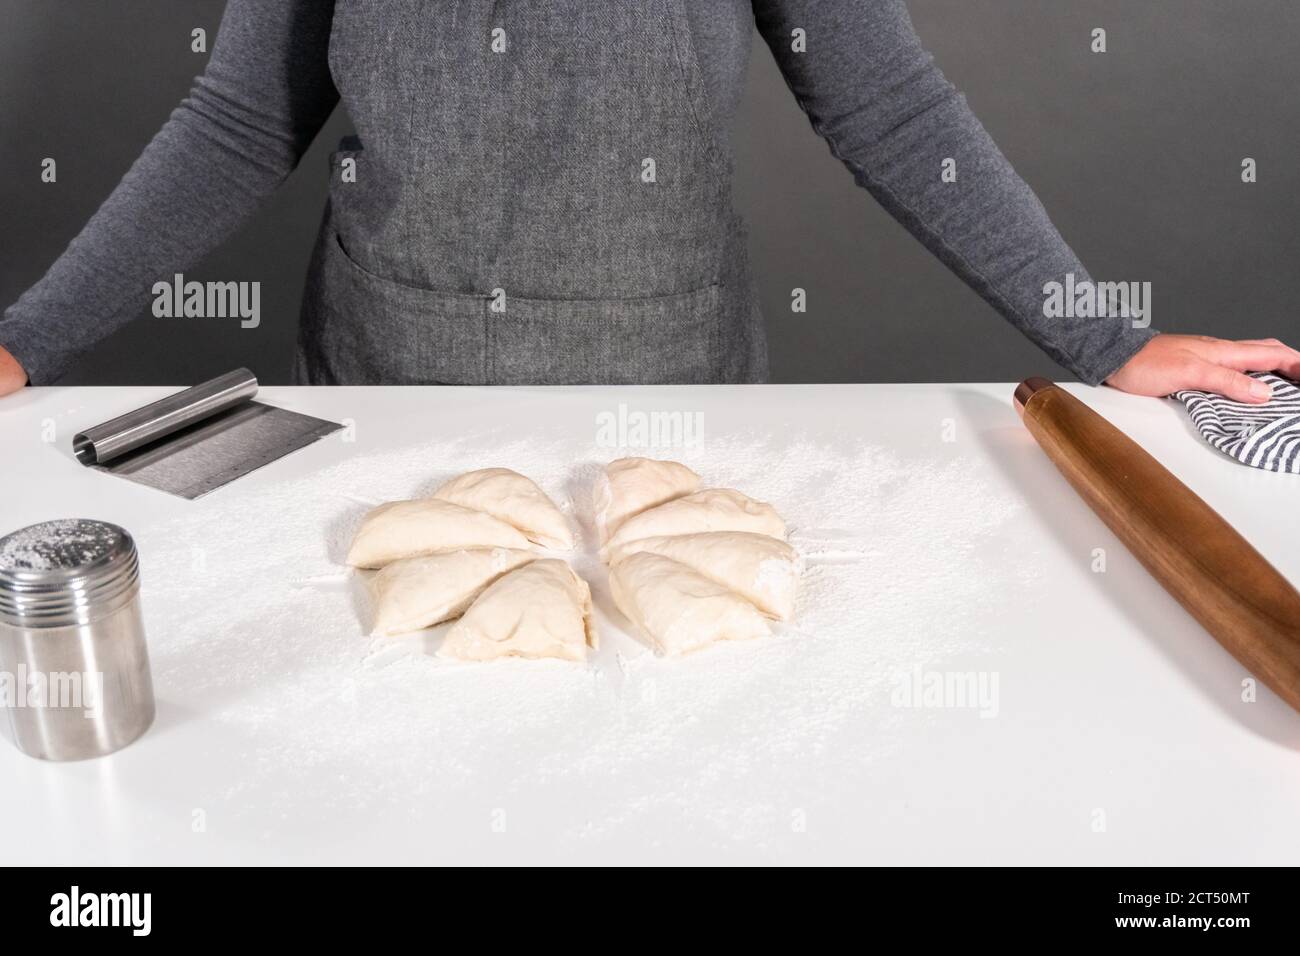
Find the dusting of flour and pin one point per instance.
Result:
(257, 627)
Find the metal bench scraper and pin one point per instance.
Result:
(197, 440)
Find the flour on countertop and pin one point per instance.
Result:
(254, 624)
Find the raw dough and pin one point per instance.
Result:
(761, 569)
(717, 509)
(404, 529)
(633, 485)
(677, 609)
(415, 593)
(541, 610)
(516, 500)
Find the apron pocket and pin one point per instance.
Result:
(672, 339)
(372, 330)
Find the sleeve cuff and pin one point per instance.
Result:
(1096, 368)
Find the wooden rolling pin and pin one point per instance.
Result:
(1223, 582)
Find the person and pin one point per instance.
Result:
(541, 193)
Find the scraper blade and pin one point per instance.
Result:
(194, 442)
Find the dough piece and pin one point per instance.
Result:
(404, 529)
(677, 609)
(760, 569)
(717, 509)
(415, 593)
(632, 485)
(516, 500)
(541, 610)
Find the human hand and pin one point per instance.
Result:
(1169, 363)
(12, 376)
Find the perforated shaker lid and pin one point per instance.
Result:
(63, 572)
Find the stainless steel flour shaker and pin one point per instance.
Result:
(74, 668)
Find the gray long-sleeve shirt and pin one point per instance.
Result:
(865, 81)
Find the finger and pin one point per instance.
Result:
(1290, 366)
(1248, 357)
(1276, 343)
(1209, 377)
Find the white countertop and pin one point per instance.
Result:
(1118, 734)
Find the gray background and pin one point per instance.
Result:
(1136, 154)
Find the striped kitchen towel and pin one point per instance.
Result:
(1262, 436)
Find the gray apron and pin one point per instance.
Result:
(501, 229)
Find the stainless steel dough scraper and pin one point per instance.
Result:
(197, 440)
